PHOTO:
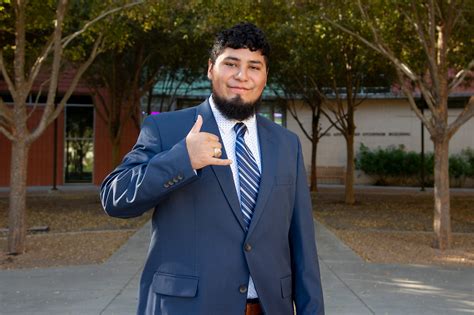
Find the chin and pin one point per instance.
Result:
(242, 100)
(235, 107)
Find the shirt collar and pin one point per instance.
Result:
(227, 125)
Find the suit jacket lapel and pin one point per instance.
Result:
(268, 149)
(223, 173)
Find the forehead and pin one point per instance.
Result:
(242, 54)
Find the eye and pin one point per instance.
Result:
(230, 64)
(256, 68)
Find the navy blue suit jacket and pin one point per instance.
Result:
(200, 255)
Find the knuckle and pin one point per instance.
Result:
(213, 137)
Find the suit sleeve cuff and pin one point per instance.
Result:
(178, 169)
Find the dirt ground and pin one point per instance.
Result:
(79, 231)
(384, 226)
(396, 226)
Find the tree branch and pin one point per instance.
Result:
(334, 123)
(6, 77)
(35, 104)
(356, 100)
(7, 134)
(39, 62)
(303, 87)
(148, 84)
(463, 117)
(175, 91)
(429, 45)
(359, 101)
(95, 51)
(325, 132)
(47, 119)
(125, 114)
(338, 111)
(20, 43)
(294, 114)
(331, 122)
(56, 64)
(429, 99)
(102, 116)
(5, 112)
(379, 46)
(359, 37)
(66, 40)
(452, 16)
(460, 76)
(412, 102)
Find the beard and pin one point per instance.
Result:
(235, 108)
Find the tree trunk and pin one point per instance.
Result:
(116, 158)
(17, 202)
(349, 183)
(314, 150)
(442, 216)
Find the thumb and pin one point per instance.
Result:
(197, 125)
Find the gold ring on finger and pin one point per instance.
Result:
(217, 152)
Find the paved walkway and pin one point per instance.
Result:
(350, 285)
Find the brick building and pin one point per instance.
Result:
(78, 139)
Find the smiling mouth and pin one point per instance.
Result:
(238, 88)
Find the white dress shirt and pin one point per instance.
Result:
(226, 129)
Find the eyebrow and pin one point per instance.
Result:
(237, 59)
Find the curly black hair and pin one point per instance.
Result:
(242, 35)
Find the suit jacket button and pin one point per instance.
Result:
(243, 289)
(170, 183)
(247, 247)
(180, 177)
(166, 185)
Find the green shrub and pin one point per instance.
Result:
(391, 161)
(458, 166)
(468, 155)
(429, 163)
(395, 162)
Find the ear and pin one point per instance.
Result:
(210, 65)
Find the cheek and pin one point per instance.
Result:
(220, 78)
(261, 84)
(260, 80)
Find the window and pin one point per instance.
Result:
(274, 111)
(79, 144)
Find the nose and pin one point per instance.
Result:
(242, 74)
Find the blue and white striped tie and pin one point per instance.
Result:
(249, 174)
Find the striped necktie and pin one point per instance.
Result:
(249, 174)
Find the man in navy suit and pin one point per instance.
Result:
(232, 230)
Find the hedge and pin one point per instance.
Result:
(397, 162)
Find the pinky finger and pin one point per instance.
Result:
(216, 161)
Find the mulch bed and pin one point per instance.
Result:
(384, 226)
(79, 231)
(64, 249)
(396, 226)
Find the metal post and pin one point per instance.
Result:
(55, 152)
(422, 151)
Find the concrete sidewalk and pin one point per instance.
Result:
(350, 285)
